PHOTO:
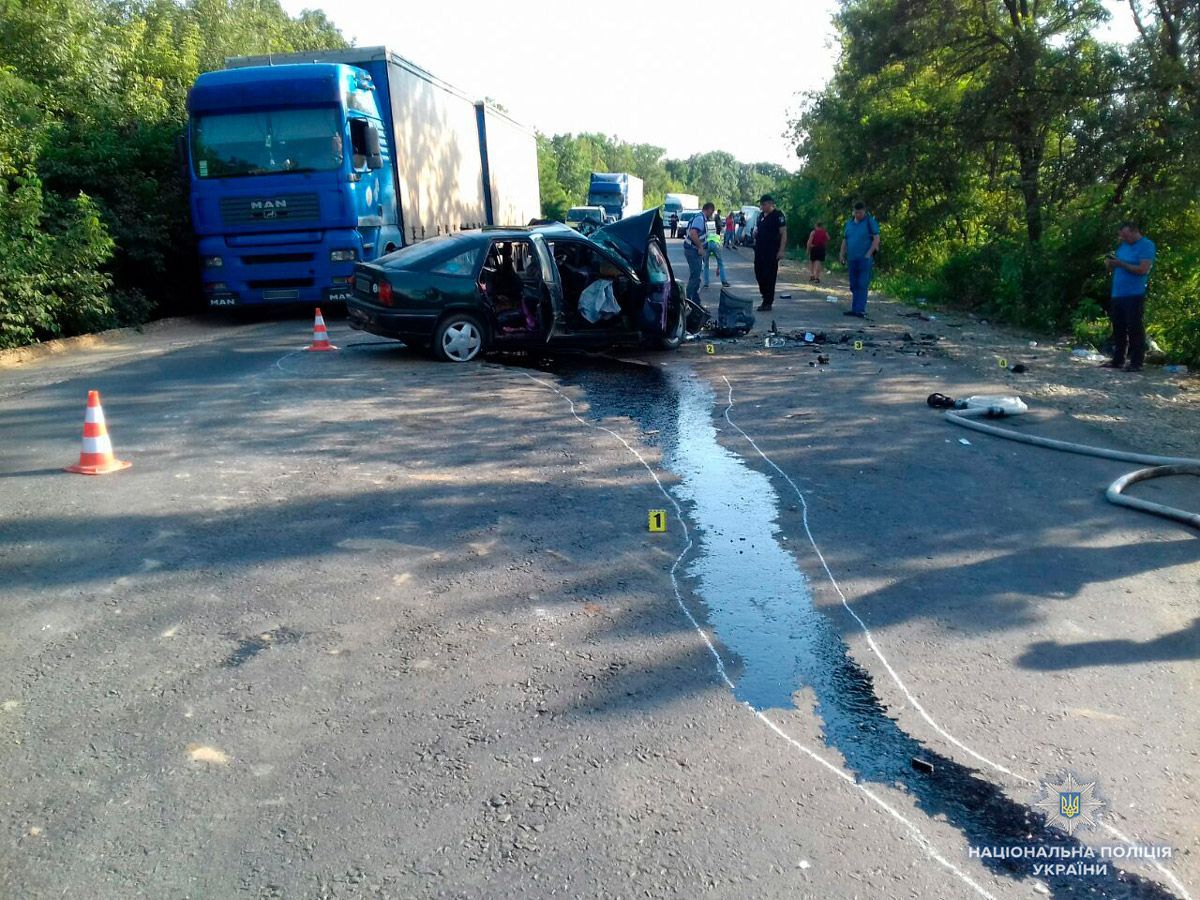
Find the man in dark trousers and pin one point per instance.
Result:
(674, 222)
(860, 243)
(770, 241)
(1130, 267)
(694, 250)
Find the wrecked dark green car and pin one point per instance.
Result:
(544, 287)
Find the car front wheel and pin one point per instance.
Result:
(676, 326)
(459, 338)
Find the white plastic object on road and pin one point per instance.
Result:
(1089, 355)
(1009, 406)
(1032, 344)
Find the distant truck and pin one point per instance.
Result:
(303, 164)
(618, 192)
(677, 203)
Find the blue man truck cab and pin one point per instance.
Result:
(303, 165)
(620, 193)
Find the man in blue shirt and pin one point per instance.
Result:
(1130, 267)
(860, 243)
(694, 250)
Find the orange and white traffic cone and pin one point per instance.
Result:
(320, 335)
(96, 457)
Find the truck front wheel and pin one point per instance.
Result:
(459, 338)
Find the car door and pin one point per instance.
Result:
(554, 321)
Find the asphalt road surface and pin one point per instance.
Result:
(365, 625)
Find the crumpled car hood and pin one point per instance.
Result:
(630, 236)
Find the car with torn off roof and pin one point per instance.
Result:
(544, 287)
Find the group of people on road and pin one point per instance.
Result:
(703, 241)
(1129, 265)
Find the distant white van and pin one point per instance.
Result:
(751, 213)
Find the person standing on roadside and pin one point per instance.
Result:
(1130, 267)
(860, 243)
(694, 250)
(712, 242)
(729, 230)
(770, 242)
(741, 228)
(674, 222)
(818, 240)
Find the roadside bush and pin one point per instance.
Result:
(52, 254)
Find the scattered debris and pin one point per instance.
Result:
(204, 754)
(923, 766)
(964, 442)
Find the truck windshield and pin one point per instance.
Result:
(228, 145)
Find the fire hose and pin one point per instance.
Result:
(967, 414)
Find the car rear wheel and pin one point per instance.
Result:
(459, 338)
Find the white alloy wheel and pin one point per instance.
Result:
(460, 339)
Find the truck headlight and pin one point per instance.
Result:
(213, 262)
(343, 255)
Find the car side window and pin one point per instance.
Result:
(656, 265)
(463, 263)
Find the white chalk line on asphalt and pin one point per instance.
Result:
(899, 682)
(895, 814)
(845, 603)
(282, 368)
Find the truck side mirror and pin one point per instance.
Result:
(374, 156)
(181, 158)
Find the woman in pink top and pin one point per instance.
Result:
(730, 227)
(818, 240)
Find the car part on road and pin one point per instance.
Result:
(735, 315)
(459, 338)
(964, 413)
(320, 335)
(96, 457)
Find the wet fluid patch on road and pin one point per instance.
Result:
(249, 647)
(759, 605)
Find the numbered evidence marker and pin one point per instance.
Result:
(658, 520)
(1004, 363)
(710, 349)
(858, 345)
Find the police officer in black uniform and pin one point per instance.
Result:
(770, 242)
